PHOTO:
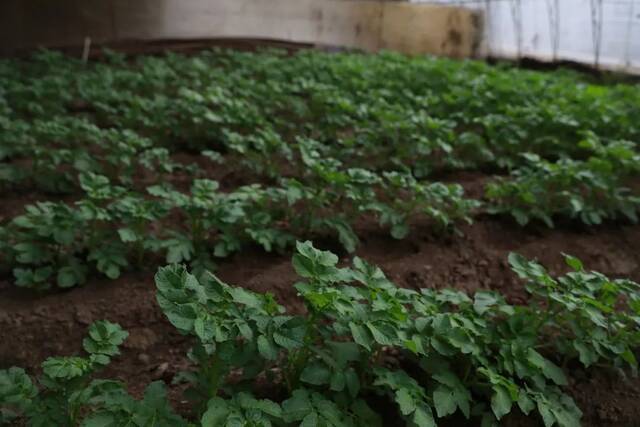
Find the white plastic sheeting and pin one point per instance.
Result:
(603, 33)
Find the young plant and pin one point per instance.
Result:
(201, 210)
(138, 217)
(66, 395)
(46, 242)
(406, 197)
(108, 252)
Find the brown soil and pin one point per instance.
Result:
(33, 327)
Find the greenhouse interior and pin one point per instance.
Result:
(319, 213)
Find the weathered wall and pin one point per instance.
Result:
(369, 25)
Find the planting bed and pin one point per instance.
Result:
(433, 170)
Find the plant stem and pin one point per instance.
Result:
(215, 374)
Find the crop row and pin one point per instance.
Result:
(112, 227)
(384, 113)
(460, 114)
(334, 140)
(434, 353)
(592, 188)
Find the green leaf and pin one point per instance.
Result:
(483, 301)
(245, 297)
(549, 369)
(127, 235)
(525, 403)
(104, 338)
(444, 401)
(380, 336)
(353, 382)
(399, 231)
(312, 263)
(287, 342)
(316, 374)
(346, 235)
(297, 406)
(65, 368)
(179, 249)
(311, 420)
(365, 415)
(100, 420)
(17, 390)
(500, 401)
(337, 382)
(72, 275)
(587, 355)
(423, 417)
(216, 413)
(405, 401)
(360, 335)
(266, 348)
(573, 262)
(547, 415)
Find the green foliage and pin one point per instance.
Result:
(113, 227)
(592, 190)
(477, 356)
(384, 112)
(243, 409)
(46, 241)
(435, 353)
(335, 139)
(67, 395)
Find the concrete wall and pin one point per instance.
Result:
(368, 25)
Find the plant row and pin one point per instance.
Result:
(267, 111)
(592, 189)
(112, 228)
(48, 154)
(386, 111)
(434, 354)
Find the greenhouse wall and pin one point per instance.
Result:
(602, 33)
(368, 25)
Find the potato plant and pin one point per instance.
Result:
(113, 227)
(46, 246)
(590, 190)
(476, 355)
(434, 353)
(67, 395)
